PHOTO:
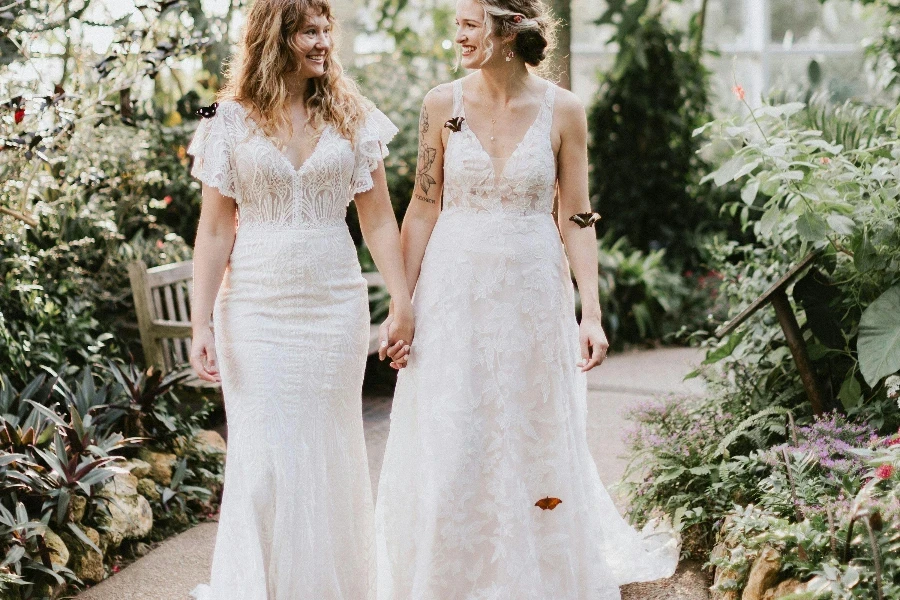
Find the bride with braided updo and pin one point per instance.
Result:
(488, 489)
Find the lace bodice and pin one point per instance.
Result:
(232, 154)
(527, 182)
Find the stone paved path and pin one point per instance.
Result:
(170, 571)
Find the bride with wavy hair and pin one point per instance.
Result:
(289, 145)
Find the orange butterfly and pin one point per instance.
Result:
(548, 503)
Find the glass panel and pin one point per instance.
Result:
(807, 22)
(842, 77)
(725, 23)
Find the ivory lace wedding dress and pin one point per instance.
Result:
(291, 324)
(489, 416)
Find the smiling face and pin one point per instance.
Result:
(478, 48)
(311, 45)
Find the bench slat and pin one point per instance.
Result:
(169, 274)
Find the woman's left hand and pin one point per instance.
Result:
(594, 344)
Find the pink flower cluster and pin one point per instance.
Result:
(884, 471)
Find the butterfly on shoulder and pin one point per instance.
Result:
(585, 219)
(454, 124)
(548, 503)
(207, 112)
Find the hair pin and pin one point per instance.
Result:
(585, 219)
(207, 112)
(454, 124)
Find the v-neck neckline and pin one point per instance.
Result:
(305, 162)
(502, 174)
(257, 130)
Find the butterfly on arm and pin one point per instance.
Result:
(585, 219)
(548, 503)
(207, 112)
(454, 124)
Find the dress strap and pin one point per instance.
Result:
(457, 98)
(549, 101)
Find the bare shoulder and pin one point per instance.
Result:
(439, 100)
(568, 107)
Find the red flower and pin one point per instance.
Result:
(116, 568)
(20, 114)
(893, 441)
(884, 471)
(167, 200)
(739, 92)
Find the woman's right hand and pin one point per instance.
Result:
(203, 355)
(396, 334)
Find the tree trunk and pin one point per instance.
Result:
(560, 60)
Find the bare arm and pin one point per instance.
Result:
(379, 228)
(425, 206)
(581, 243)
(212, 248)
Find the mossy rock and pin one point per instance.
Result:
(85, 562)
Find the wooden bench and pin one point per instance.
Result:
(162, 301)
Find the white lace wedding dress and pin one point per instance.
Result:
(490, 415)
(291, 325)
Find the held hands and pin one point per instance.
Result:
(203, 355)
(396, 334)
(593, 343)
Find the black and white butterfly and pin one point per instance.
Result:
(207, 112)
(585, 219)
(454, 124)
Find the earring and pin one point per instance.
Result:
(510, 55)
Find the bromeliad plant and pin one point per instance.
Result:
(59, 443)
(49, 453)
(148, 402)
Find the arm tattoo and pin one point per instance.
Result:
(427, 155)
(426, 160)
(423, 120)
(424, 199)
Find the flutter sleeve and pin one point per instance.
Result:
(371, 147)
(213, 150)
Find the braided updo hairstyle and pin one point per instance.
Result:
(529, 20)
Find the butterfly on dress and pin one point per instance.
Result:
(454, 124)
(207, 112)
(585, 219)
(548, 503)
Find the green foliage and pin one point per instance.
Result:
(94, 174)
(805, 192)
(820, 179)
(61, 439)
(645, 172)
(643, 300)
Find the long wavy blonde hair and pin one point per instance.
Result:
(267, 57)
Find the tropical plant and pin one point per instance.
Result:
(645, 301)
(803, 192)
(645, 171)
(148, 400)
(60, 442)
